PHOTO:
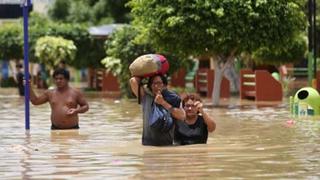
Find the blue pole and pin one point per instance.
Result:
(25, 7)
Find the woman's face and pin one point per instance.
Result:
(190, 108)
(157, 85)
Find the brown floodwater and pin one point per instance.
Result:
(251, 142)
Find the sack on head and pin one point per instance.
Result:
(149, 65)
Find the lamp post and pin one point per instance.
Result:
(25, 8)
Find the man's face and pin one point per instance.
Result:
(157, 85)
(60, 81)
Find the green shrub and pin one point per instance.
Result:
(9, 82)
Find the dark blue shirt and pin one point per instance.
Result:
(151, 136)
(196, 133)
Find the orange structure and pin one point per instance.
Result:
(178, 78)
(204, 83)
(102, 80)
(110, 82)
(259, 85)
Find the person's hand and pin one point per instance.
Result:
(199, 106)
(159, 98)
(71, 111)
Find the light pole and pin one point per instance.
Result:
(25, 8)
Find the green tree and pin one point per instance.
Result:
(38, 27)
(221, 29)
(79, 12)
(52, 50)
(293, 52)
(91, 12)
(121, 50)
(115, 9)
(60, 10)
(11, 41)
(89, 50)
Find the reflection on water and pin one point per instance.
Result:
(250, 142)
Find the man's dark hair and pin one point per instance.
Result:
(163, 78)
(63, 72)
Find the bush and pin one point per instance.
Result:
(9, 82)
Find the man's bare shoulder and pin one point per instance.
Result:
(49, 92)
(76, 91)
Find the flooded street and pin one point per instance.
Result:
(250, 142)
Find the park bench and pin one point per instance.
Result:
(259, 85)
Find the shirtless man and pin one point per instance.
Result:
(65, 102)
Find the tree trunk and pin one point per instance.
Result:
(220, 63)
(233, 77)
(218, 75)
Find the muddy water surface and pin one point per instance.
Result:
(250, 142)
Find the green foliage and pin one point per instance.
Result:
(38, 27)
(10, 82)
(89, 51)
(79, 13)
(217, 26)
(60, 10)
(293, 52)
(91, 12)
(52, 50)
(121, 50)
(11, 41)
(110, 11)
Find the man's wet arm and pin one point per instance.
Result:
(84, 106)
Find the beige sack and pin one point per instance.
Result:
(143, 65)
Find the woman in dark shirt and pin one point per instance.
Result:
(195, 128)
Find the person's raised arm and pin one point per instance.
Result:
(37, 100)
(176, 112)
(134, 84)
(211, 125)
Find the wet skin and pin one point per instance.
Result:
(65, 102)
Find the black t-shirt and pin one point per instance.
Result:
(20, 77)
(196, 133)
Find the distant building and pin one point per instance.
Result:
(104, 31)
